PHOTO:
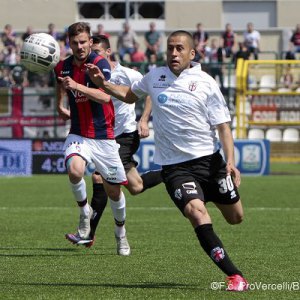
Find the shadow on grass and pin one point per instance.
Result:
(78, 251)
(144, 285)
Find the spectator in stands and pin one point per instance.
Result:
(241, 53)
(229, 38)
(100, 31)
(152, 41)
(11, 56)
(295, 40)
(216, 55)
(200, 37)
(137, 56)
(27, 33)
(126, 41)
(152, 63)
(52, 31)
(252, 40)
(4, 77)
(8, 36)
(287, 78)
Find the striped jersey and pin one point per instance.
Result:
(88, 118)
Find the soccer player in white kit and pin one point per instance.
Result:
(128, 137)
(187, 108)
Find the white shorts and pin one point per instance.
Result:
(103, 153)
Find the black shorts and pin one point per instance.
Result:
(203, 178)
(129, 144)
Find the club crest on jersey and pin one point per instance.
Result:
(217, 254)
(193, 85)
(178, 194)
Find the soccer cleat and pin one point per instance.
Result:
(123, 247)
(75, 239)
(236, 283)
(84, 227)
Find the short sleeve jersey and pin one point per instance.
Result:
(125, 117)
(251, 39)
(185, 111)
(88, 118)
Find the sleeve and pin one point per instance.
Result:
(104, 66)
(134, 76)
(140, 87)
(57, 70)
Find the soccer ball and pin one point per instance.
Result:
(40, 53)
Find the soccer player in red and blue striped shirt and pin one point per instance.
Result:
(91, 137)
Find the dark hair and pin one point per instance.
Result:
(78, 28)
(184, 33)
(97, 39)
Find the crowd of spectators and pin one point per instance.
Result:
(128, 50)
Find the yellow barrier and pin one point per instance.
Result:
(267, 94)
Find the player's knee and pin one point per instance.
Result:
(195, 210)
(114, 194)
(235, 219)
(135, 187)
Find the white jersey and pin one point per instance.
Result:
(185, 111)
(251, 39)
(125, 117)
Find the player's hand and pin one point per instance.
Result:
(68, 83)
(64, 113)
(143, 129)
(235, 173)
(95, 74)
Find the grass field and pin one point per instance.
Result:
(166, 262)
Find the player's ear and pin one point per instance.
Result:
(192, 54)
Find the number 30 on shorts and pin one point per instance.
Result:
(225, 185)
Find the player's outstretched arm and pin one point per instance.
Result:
(226, 140)
(120, 92)
(143, 127)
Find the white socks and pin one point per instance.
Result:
(79, 192)
(119, 212)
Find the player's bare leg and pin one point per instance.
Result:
(76, 168)
(197, 214)
(118, 206)
(233, 213)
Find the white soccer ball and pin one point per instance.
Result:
(40, 53)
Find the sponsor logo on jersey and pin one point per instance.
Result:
(192, 86)
(217, 254)
(178, 194)
(161, 85)
(162, 98)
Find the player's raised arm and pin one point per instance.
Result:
(120, 92)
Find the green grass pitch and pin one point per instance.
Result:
(37, 262)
